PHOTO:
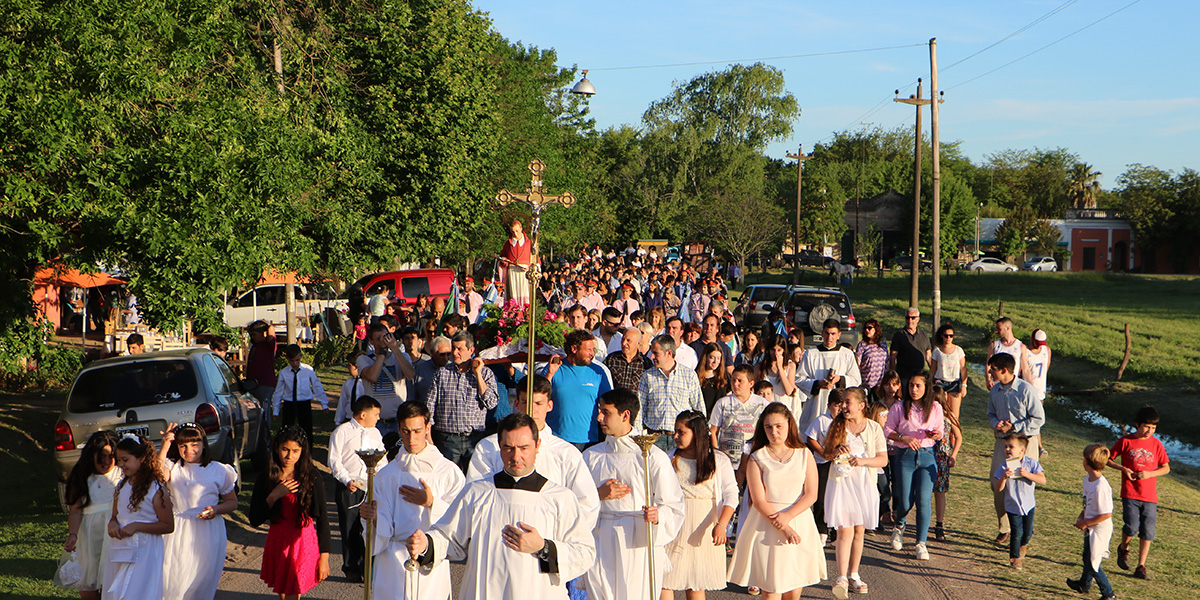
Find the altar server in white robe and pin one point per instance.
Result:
(523, 536)
(621, 570)
(557, 459)
(412, 492)
(823, 368)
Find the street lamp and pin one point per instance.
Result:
(584, 87)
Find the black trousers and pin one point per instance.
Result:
(353, 546)
(301, 411)
(818, 509)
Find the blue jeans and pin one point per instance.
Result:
(1089, 574)
(1022, 532)
(456, 447)
(912, 483)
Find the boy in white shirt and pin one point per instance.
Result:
(351, 475)
(352, 390)
(1096, 522)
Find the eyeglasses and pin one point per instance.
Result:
(949, 335)
(911, 317)
(613, 323)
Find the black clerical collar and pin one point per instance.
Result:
(532, 482)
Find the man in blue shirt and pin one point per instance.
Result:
(576, 384)
(1013, 408)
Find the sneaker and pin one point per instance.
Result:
(897, 539)
(922, 553)
(1023, 551)
(1078, 586)
(1016, 563)
(841, 589)
(1141, 573)
(1002, 539)
(1112, 596)
(1123, 556)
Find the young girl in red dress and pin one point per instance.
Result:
(290, 494)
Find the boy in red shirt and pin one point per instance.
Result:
(1142, 460)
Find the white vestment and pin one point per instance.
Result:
(621, 571)
(557, 460)
(472, 530)
(397, 520)
(815, 365)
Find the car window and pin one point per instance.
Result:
(214, 376)
(379, 285)
(270, 294)
(766, 293)
(129, 384)
(411, 287)
(245, 301)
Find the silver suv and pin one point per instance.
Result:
(143, 393)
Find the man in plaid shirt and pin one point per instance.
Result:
(628, 365)
(458, 401)
(667, 390)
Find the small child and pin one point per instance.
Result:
(360, 328)
(814, 437)
(352, 390)
(350, 474)
(295, 390)
(1096, 522)
(1017, 479)
(877, 411)
(1143, 461)
(765, 389)
(90, 488)
(141, 516)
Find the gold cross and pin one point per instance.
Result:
(535, 197)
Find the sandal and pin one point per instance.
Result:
(841, 589)
(858, 586)
(753, 590)
(938, 533)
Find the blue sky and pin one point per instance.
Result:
(1124, 90)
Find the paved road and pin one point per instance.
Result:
(892, 576)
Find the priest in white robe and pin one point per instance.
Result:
(823, 368)
(557, 459)
(523, 536)
(412, 492)
(621, 570)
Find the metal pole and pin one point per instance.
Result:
(937, 187)
(915, 254)
(531, 275)
(370, 458)
(645, 442)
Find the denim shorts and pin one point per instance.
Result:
(1139, 516)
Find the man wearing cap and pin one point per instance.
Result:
(592, 300)
(911, 348)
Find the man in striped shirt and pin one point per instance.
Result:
(666, 390)
(459, 398)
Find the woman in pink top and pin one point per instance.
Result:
(913, 426)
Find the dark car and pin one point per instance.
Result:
(756, 303)
(904, 263)
(808, 307)
(809, 258)
(143, 393)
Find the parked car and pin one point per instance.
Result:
(267, 302)
(1041, 263)
(756, 303)
(809, 258)
(904, 263)
(808, 307)
(403, 285)
(144, 393)
(990, 264)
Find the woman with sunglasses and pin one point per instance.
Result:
(201, 492)
(948, 364)
(872, 354)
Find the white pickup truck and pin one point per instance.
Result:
(266, 302)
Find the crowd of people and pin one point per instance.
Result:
(765, 452)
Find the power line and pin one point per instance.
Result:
(1031, 24)
(1081, 29)
(745, 60)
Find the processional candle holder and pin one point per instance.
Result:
(645, 442)
(370, 458)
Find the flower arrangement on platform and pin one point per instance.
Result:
(509, 322)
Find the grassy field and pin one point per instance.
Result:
(1084, 316)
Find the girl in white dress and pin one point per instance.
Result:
(778, 549)
(90, 488)
(710, 495)
(141, 517)
(201, 492)
(855, 447)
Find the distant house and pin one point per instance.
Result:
(1095, 238)
(886, 211)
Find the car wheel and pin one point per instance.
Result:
(978, 269)
(1009, 269)
(231, 458)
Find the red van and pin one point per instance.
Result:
(405, 285)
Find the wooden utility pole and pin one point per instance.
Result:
(937, 186)
(799, 157)
(918, 102)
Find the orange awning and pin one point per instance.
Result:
(73, 278)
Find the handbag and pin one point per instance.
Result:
(69, 570)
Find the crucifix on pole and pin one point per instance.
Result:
(537, 200)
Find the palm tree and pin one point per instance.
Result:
(1083, 185)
